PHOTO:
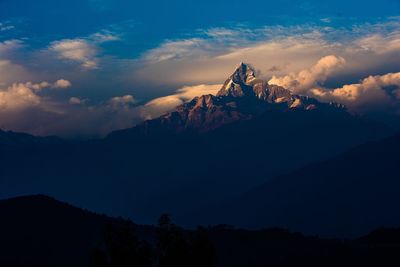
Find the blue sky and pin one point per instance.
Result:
(110, 64)
(148, 23)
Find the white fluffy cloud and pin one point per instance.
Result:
(18, 96)
(380, 91)
(21, 96)
(373, 92)
(304, 80)
(161, 105)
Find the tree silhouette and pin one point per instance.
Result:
(202, 249)
(176, 247)
(122, 249)
(173, 247)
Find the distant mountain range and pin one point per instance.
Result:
(343, 196)
(205, 152)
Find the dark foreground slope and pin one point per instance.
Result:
(345, 196)
(40, 231)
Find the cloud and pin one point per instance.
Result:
(25, 109)
(10, 72)
(75, 101)
(62, 84)
(304, 80)
(162, 105)
(175, 50)
(221, 32)
(104, 36)
(9, 46)
(370, 94)
(6, 26)
(210, 55)
(21, 96)
(77, 50)
(84, 51)
(380, 91)
(18, 96)
(122, 102)
(380, 44)
(194, 65)
(59, 84)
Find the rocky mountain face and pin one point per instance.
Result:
(242, 97)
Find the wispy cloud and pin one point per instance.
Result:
(162, 105)
(76, 50)
(6, 26)
(275, 50)
(9, 46)
(84, 51)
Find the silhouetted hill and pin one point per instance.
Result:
(278, 247)
(344, 196)
(12, 140)
(41, 231)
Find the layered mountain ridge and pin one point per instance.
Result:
(207, 150)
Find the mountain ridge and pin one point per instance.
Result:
(242, 97)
